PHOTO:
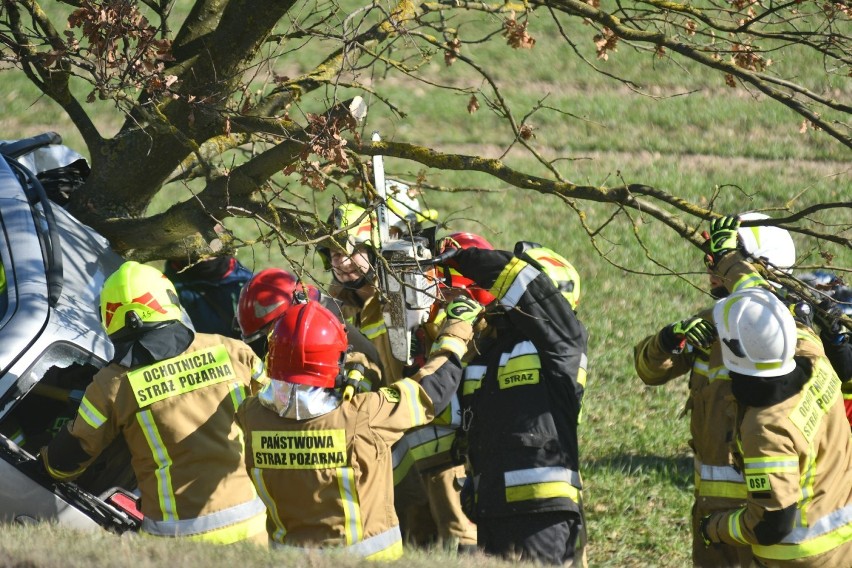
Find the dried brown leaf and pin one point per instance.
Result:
(472, 105)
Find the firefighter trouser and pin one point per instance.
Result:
(718, 555)
(412, 508)
(453, 527)
(557, 538)
(429, 509)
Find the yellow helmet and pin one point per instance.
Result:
(563, 274)
(361, 233)
(138, 296)
(404, 212)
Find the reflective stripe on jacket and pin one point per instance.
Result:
(524, 392)
(327, 481)
(710, 403)
(177, 417)
(797, 453)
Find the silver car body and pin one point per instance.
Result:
(36, 336)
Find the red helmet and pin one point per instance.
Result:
(455, 279)
(307, 346)
(264, 299)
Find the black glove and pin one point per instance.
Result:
(723, 236)
(827, 317)
(696, 331)
(464, 309)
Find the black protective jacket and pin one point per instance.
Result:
(522, 394)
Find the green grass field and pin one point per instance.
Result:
(637, 276)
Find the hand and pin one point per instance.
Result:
(445, 256)
(445, 250)
(464, 309)
(698, 332)
(827, 317)
(723, 236)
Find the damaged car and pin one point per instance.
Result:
(52, 342)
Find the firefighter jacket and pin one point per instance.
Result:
(362, 308)
(428, 447)
(794, 446)
(177, 417)
(710, 403)
(327, 480)
(522, 394)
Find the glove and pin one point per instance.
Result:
(464, 309)
(827, 317)
(445, 250)
(698, 332)
(723, 236)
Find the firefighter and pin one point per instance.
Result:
(690, 346)
(265, 298)
(522, 395)
(427, 478)
(836, 301)
(321, 459)
(354, 283)
(428, 504)
(271, 292)
(208, 290)
(792, 440)
(172, 393)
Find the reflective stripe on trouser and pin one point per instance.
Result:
(223, 527)
(829, 532)
(719, 481)
(386, 545)
(542, 483)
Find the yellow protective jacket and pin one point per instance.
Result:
(710, 402)
(177, 417)
(327, 480)
(363, 310)
(428, 447)
(422, 451)
(796, 455)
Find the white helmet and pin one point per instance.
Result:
(757, 333)
(771, 243)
